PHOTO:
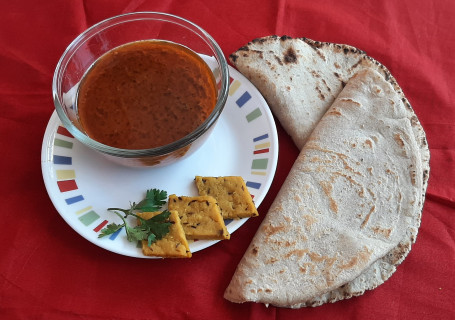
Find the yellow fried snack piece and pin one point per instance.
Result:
(231, 194)
(172, 245)
(200, 216)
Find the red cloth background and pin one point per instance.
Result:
(48, 271)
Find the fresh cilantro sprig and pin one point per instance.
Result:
(152, 229)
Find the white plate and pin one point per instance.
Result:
(82, 184)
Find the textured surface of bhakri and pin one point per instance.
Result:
(354, 197)
(268, 61)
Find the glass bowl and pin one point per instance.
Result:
(117, 31)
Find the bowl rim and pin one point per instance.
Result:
(158, 151)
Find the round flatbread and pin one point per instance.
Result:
(301, 79)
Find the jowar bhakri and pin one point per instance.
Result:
(351, 205)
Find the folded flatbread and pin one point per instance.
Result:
(300, 78)
(350, 208)
(322, 69)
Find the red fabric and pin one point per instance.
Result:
(48, 271)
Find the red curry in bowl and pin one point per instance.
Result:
(145, 94)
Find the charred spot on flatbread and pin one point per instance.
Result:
(290, 56)
(233, 57)
(321, 95)
(278, 60)
(259, 40)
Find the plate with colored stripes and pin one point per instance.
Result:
(82, 184)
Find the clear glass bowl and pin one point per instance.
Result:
(119, 30)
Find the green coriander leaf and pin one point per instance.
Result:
(110, 229)
(137, 233)
(125, 211)
(154, 200)
(163, 216)
(157, 227)
(151, 239)
(152, 229)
